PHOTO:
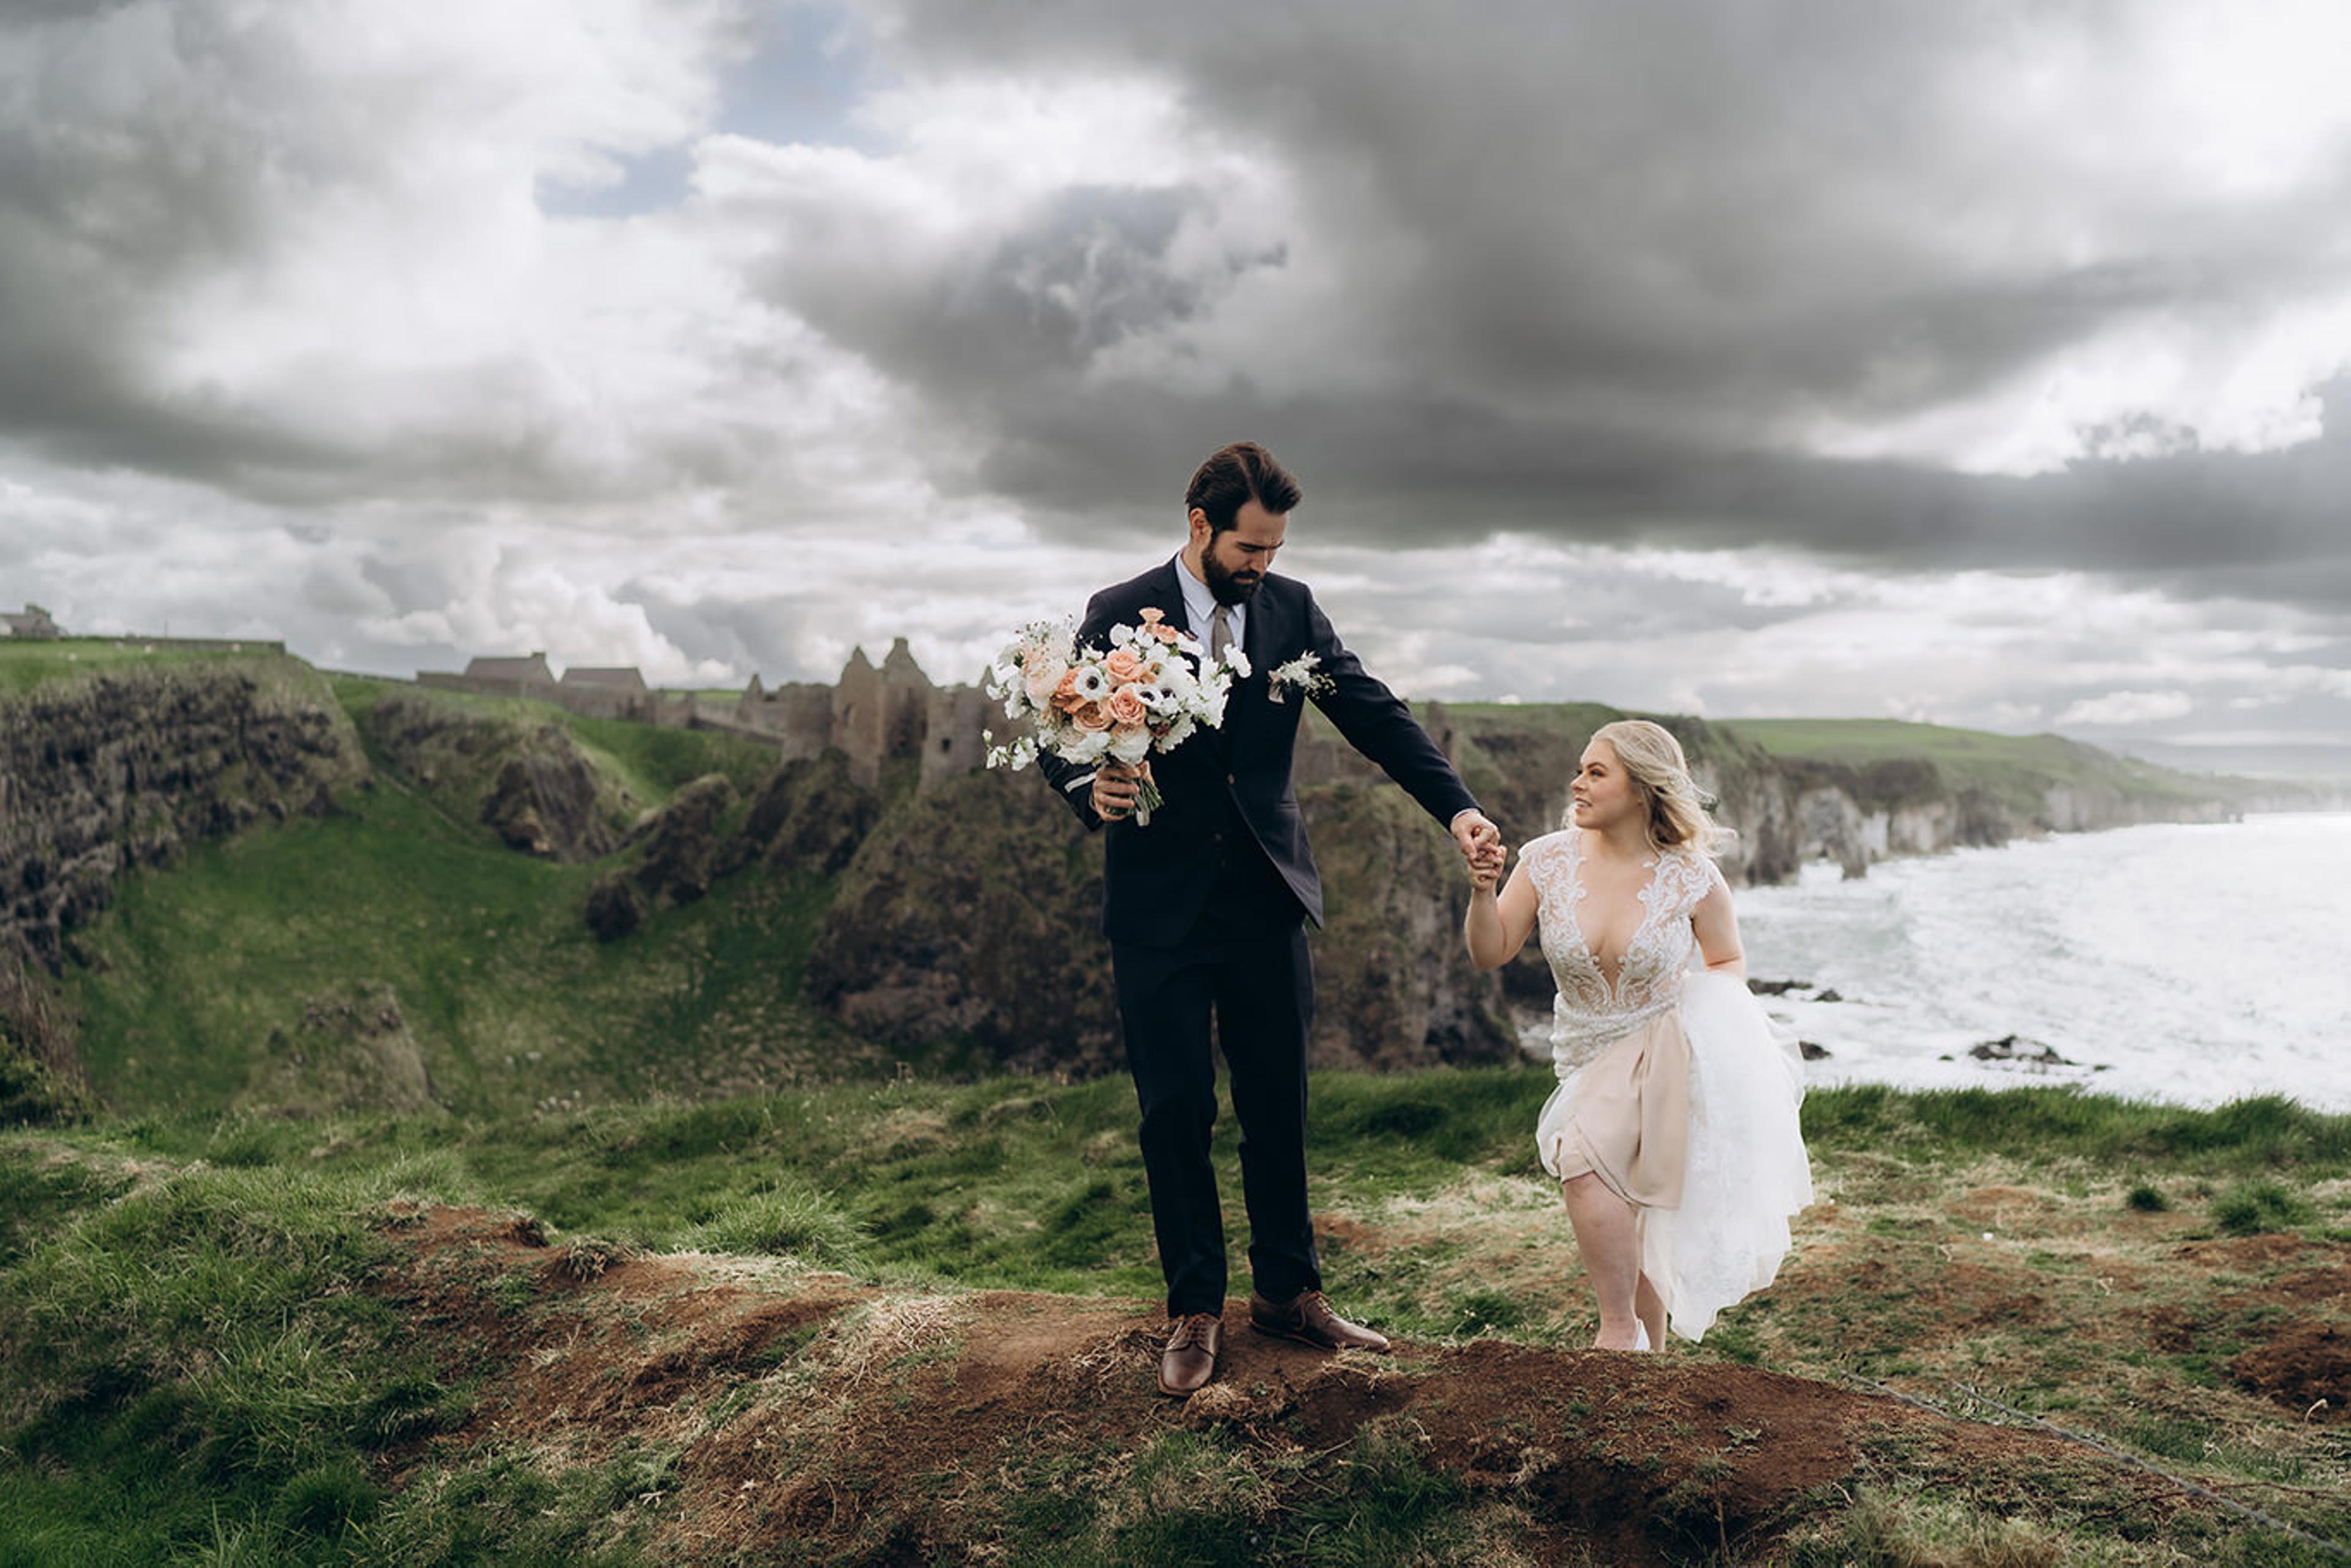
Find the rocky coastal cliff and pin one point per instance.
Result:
(957, 913)
(970, 913)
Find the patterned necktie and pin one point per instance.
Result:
(1220, 631)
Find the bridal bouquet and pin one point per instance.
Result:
(1150, 691)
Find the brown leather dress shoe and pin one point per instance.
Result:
(1190, 1359)
(1310, 1320)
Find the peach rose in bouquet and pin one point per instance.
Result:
(1151, 690)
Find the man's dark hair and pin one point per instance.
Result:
(1242, 472)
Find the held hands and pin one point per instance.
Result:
(1116, 788)
(1482, 851)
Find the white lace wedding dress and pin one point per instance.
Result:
(1740, 1171)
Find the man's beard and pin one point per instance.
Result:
(1227, 586)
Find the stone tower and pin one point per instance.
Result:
(952, 746)
(906, 702)
(861, 718)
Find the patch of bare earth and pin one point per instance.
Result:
(880, 1426)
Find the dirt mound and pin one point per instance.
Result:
(806, 1408)
(2307, 1368)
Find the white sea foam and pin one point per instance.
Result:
(2190, 964)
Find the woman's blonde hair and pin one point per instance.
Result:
(1653, 759)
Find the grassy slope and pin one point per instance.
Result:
(641, 765)
(510, 1001)
(2016, 768)
(27, 664)
(200, 1365)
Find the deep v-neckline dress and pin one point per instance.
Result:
(1673, 1090)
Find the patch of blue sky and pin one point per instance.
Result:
(649, 183)
(808, 69)
(800, 79)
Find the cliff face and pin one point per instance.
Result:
(1791, 811)
(122, 770)
(964, 905)
(971, 916)
(971, 912)
(527, 782)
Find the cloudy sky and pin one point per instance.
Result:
(1985, 363)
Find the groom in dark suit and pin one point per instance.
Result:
(1205, 906)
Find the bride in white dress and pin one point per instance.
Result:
(1673, 1131)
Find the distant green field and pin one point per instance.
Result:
(1546, 718)
(27, 664)
(2010, 766)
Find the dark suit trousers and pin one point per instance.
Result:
(1245, 963)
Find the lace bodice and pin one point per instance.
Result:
(1593, 1007)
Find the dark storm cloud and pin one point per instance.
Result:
(1620, 251)
(1084, 271)
(172, 174)
(135, 160)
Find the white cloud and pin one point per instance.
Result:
(2125, 709)
(297, 351)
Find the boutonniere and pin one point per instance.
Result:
(1304, 673)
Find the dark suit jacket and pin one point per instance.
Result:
(1156, 879)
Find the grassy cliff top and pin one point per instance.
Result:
(2016, 768)
(2012, 767)
(1858, 742)
(27, 664)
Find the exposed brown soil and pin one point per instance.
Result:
(813, 1410)
(2307, 1367)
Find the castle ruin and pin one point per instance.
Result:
(874, 715)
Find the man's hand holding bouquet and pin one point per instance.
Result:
(1151, 690)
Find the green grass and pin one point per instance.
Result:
(2046, 1126)
(2014, 768)
(454, 765)
(24, 666)
(649, 761)
(197, 1367)
(1015, 1183)
(206, 976)
(198, 1373)
(657, 761)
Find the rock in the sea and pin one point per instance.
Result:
(2016, 1047)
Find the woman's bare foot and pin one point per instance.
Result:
(1623, 1336)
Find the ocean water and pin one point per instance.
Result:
(2189, 964)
